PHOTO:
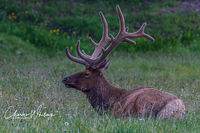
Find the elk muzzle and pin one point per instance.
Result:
(66, 81)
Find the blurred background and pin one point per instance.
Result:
(51, 25)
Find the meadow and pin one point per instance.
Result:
(28, 81)
(34, 34)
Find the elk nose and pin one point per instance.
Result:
(64, 80)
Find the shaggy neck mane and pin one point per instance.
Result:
(103, 95)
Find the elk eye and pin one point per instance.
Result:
(86, 75)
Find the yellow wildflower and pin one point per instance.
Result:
(14, 17)
(70, 47)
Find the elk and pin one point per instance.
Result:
(139, 102)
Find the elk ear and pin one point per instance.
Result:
(104, 65)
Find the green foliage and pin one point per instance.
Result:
(38, 22)
(11, 46)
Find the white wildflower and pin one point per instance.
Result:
(66, 123)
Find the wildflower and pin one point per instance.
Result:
(58, 30)
(51, 31)
(9, 17)
(71, 47)
(13, 13)
(69, 116)
(66, 123)
(141, 119)
(14, 17)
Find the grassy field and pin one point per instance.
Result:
(28, 81)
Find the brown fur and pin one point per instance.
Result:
(139, 102)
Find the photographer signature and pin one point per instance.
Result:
(12, 114)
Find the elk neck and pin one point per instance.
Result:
(104, 94)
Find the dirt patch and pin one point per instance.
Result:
(190, 5)
(183, 6)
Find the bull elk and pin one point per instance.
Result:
(139, 102)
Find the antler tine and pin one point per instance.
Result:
(129, 41)
(104, 39)
(75, 59)
(85, 53)
(140, 33)
(82, 54)
(93, 42)
(121, 19)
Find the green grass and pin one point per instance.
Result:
(28, 81)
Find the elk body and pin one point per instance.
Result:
(139, 102)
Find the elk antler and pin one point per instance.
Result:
(75, 59)
(122, 36)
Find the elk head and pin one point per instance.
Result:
(97, 62)
(85, 80)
